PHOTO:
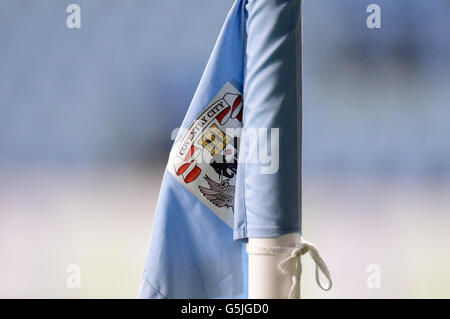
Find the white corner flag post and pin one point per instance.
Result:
(275, 266)
(265, 280)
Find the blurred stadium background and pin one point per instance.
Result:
(86, 117)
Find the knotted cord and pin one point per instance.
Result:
(294, 260)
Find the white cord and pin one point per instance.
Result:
(294, 260)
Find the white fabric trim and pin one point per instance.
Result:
(294, 262)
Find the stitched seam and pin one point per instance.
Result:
(245, 69)
(157, 290)
(271, 228)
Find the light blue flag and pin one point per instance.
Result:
(234, 170)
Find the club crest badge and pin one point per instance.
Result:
(204, 159)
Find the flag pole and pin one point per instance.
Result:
(265, 280)
(265, 255)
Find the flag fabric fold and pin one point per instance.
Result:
(234, 170)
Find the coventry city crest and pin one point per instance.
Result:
(205, 158)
